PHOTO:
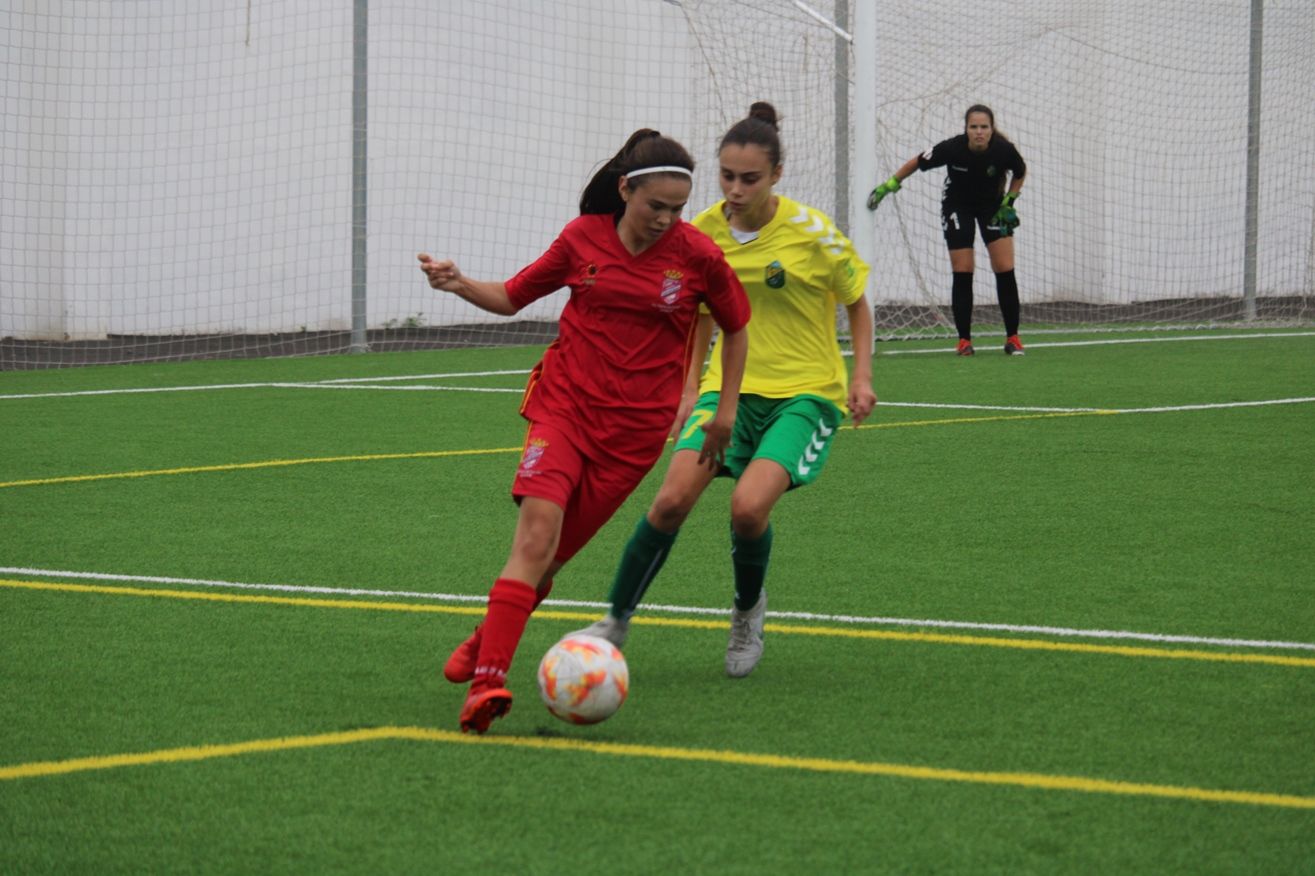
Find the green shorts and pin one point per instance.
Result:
(794, 432)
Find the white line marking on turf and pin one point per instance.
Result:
(318, 384)
(1216, 406)
(1102, 342)
(856, 620)
(238, 585)
(423, 376)
(421, 386)
(967, 407)
(278, 385)
(1165, 409)
(138, 389)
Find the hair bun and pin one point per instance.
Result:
(764, 111)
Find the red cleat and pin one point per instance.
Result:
(965, 347)
(460, 667)
(482, 708)
(1013, 346)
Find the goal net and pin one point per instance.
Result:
(206, 179)
(1134, 119)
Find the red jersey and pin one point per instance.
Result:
(615, 372)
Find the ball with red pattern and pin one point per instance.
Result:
(583, 679)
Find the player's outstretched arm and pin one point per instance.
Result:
(444, 275)
(690, 396)
(892, 185)
(717, 431)
(862, 398)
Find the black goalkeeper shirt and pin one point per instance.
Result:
(975, 178)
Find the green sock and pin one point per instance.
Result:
(749, 557)
(643, 557)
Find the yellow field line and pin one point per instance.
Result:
(1046, 645)
(303, 601)
(191, 752)
(240, 466)
(1040, 781)
(438, 454)
(683, 623)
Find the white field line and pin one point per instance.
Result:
(279, 385)
(365, 382)
(360, 383)
(853, 620)
(422, 376)
(1100, 343)
(415, 386)
(1154, 410)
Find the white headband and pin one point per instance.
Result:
(665, 168)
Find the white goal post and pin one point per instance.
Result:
(210, 178)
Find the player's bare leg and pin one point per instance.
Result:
(538, 529)
(683, 484)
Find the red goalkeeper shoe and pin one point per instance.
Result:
(460, 667)
(965, 347)
(1013, 346)
(483, 707)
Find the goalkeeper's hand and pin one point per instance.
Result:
(1006, 217)
(889, 187)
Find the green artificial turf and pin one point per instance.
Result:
(1080, 491)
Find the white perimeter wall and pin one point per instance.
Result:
(185, 166)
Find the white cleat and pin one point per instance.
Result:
(745, 647)
(610, 628)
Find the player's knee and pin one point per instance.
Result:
(748, 518)
(536, 543)
(535, 550)
(670, 509)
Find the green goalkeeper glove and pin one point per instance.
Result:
(1006, 218)
(889, 187)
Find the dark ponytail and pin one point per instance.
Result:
(645, 148)
(760, 128)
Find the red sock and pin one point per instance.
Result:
(510, 604)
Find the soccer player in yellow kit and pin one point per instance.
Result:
(796, 267)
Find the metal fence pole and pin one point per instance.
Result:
(1253, 161)
(360, 189)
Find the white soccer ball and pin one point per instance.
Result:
(583, 679)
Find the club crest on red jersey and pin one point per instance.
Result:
(672, 284)
(533, 453)
(589, 275)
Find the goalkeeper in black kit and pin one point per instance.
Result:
(977, 163)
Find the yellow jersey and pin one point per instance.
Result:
(795, 272)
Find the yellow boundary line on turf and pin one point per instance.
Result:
(784, 629)
(439, 454)
(1040, 781)
(243, 466)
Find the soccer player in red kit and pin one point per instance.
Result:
(603, 400)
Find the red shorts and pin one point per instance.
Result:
(553, 467)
